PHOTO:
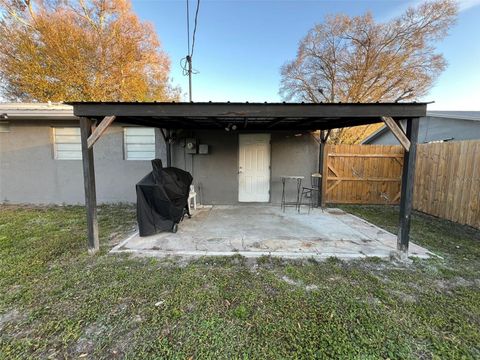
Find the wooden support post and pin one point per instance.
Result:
(89, 185)
(408, 176)
(169, 148)
(322, 167)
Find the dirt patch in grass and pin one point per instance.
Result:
(10, 316)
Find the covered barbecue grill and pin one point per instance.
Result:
(162, 199)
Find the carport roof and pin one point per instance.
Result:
(248, 116)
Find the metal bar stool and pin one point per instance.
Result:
(298, 179)
(310, 191)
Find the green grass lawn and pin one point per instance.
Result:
(58, 302)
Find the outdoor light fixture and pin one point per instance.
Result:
(4, 116)
(231, 127)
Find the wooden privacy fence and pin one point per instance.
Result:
(447, 181)
(447, 178)
(363, 174)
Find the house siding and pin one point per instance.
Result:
(216, 174)
(30, 174)
(292, 155)
(434, 128)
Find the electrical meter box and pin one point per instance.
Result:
(203, 149)
(191, 146)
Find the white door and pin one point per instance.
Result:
(254, 168)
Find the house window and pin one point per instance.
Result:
(66, 143)
(139, 143)
(4, 126)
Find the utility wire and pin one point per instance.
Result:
(195, 28)
(186, 62)
(188, 29)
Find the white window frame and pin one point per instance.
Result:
(74, 148)
(129, 141)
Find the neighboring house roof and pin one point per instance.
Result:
(459, 115)
(375, 135)
(27, 111)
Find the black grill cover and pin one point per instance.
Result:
(162, 198)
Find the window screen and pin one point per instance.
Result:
(4, 126)
(139, 143)
(66, 143)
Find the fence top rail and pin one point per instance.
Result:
(366, 155)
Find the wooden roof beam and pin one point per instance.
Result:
(251, 110)
(275, 123)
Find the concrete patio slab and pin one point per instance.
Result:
(254, 231)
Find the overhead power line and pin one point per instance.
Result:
(186, 62)
(195, 27)
(188, 29)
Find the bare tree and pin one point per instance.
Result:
(355, 59)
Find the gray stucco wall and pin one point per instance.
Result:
(216, 174)
(436, 128)
(292, 155)
(30, 174)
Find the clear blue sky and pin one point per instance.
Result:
(241, 45)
